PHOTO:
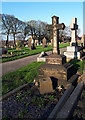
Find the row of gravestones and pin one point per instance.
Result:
(56, 71)
(32, 44)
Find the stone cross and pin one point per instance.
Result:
(55, 27)
(74, 28)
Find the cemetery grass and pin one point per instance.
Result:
(24, 52)
(27, 74)
(19, 77)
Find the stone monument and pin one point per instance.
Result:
(83, 40)
(73, 51)
(29, 43)
(56, 67)
(44, 42)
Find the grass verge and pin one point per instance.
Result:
(19, 77)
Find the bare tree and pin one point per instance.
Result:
(6, 25)
(16, 27)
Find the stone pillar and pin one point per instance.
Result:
(74, 28)
(83, 40)
(55, 21)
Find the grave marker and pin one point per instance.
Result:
(56, 67)
(56, 26)
(74, 28)
(44, 42)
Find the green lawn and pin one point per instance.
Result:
(27, 74)
(29, 52)
(19, 77)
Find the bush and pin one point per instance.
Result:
(4, 51)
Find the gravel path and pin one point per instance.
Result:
(16, 64)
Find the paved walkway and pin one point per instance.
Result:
(16, 64)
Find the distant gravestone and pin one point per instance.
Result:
(29, 43)
(44, 42)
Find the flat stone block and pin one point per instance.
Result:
(39, 59)
(56, 59)
(60, 72)
(72, 48)
(73, 55)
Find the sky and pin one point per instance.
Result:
(43, 11)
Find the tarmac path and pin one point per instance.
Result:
(16, 64)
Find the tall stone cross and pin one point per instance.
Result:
(55, 27)
(74, 28)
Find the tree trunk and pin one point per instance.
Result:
(14, 41)
(7, 45)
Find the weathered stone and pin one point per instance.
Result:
(73, 51)
(60, 72)
(44, 42)
(42, 57)
(56, 67)
(45, 85)
(74, 28)
(56, 59)
(83, 40)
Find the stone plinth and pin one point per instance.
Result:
(73, 52)
(42, 57)
(56, 59)
(46, 85)
(72, 48)
(62, 73)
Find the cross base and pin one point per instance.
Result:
(56, 59)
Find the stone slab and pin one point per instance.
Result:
(72, 48)
(60, 72)
(56, 59)
(39, 59)
(72, 55)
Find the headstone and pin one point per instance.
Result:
(72, 50)
(56, 67)
(44, 42)
(83, 40)
(29, 43)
